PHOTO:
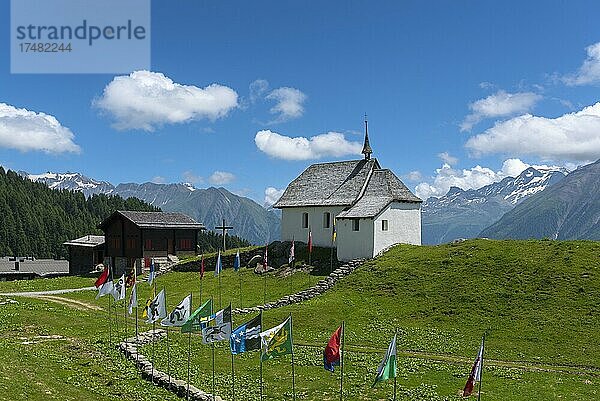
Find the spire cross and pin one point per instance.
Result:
(224, 229)
(367, 147)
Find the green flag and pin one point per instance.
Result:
(387, 367)
(199, 317)
(276, 341)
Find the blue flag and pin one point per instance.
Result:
(151, 275)
(236, 262)
(219, 266)
(246, 337)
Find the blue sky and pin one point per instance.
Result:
(457, 93)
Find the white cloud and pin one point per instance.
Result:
(258, 88)
(27, 130)
(573, 136)
(472, 178)
(221, 178)
(301, 148)
(192, 178)
(289, 103)
(500, 104)
(158, 179)
(146, 100)
(447, 158)
(272, 195)
(413, 176)
(589, 72)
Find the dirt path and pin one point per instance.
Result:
(73, 303)
(49, 292)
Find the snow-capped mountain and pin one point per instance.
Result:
(72, 181)
(464, 213)
(250, 220)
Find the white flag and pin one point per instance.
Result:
(221, 330)
(180, 314)
(157, 308)
(478, 362)
(133, 303)
(119, 289)
(106, 288)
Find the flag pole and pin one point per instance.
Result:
(125, 312)
(212, 344)
(264, 287)
(240, 274)
(187, 396)
(260, 359)
(168, 358)
(293, 365)
(153, 342)
(213, 369)
(481, 368)
(232, 367)
(395, 373)
(342, 362)
(201, 279)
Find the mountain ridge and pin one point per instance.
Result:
(568, 210)
(465, 213)
(207, 205)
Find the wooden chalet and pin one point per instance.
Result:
(141, 236)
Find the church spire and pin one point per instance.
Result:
(367, 147)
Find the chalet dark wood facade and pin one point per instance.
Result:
(131, 236)
(85, 253)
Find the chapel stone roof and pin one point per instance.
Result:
(383, 188)
(328, 184)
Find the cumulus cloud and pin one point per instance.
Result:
(192, 178)
(300, 148)
(289, 103)
(573, 136)
(500, 104)
(27, 130)
(272, 195)
(146, 100)
(589, 72)
(447, 158)
(413, 176)
(221, 178)
(472, 178)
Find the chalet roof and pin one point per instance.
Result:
(328, 184)
(156, 220)
(88, 241)
(383, 188)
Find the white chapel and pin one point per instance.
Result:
(372, 208)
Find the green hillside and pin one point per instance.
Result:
(539, 301)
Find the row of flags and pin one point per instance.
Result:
(272, 343)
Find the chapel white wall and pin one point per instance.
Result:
(291, 224)
(354, 244)
(404, 226)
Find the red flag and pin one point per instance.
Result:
(309, 241)
(103, 277)
(331, 355)
(202, 267)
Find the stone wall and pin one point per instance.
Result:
(129, 347)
